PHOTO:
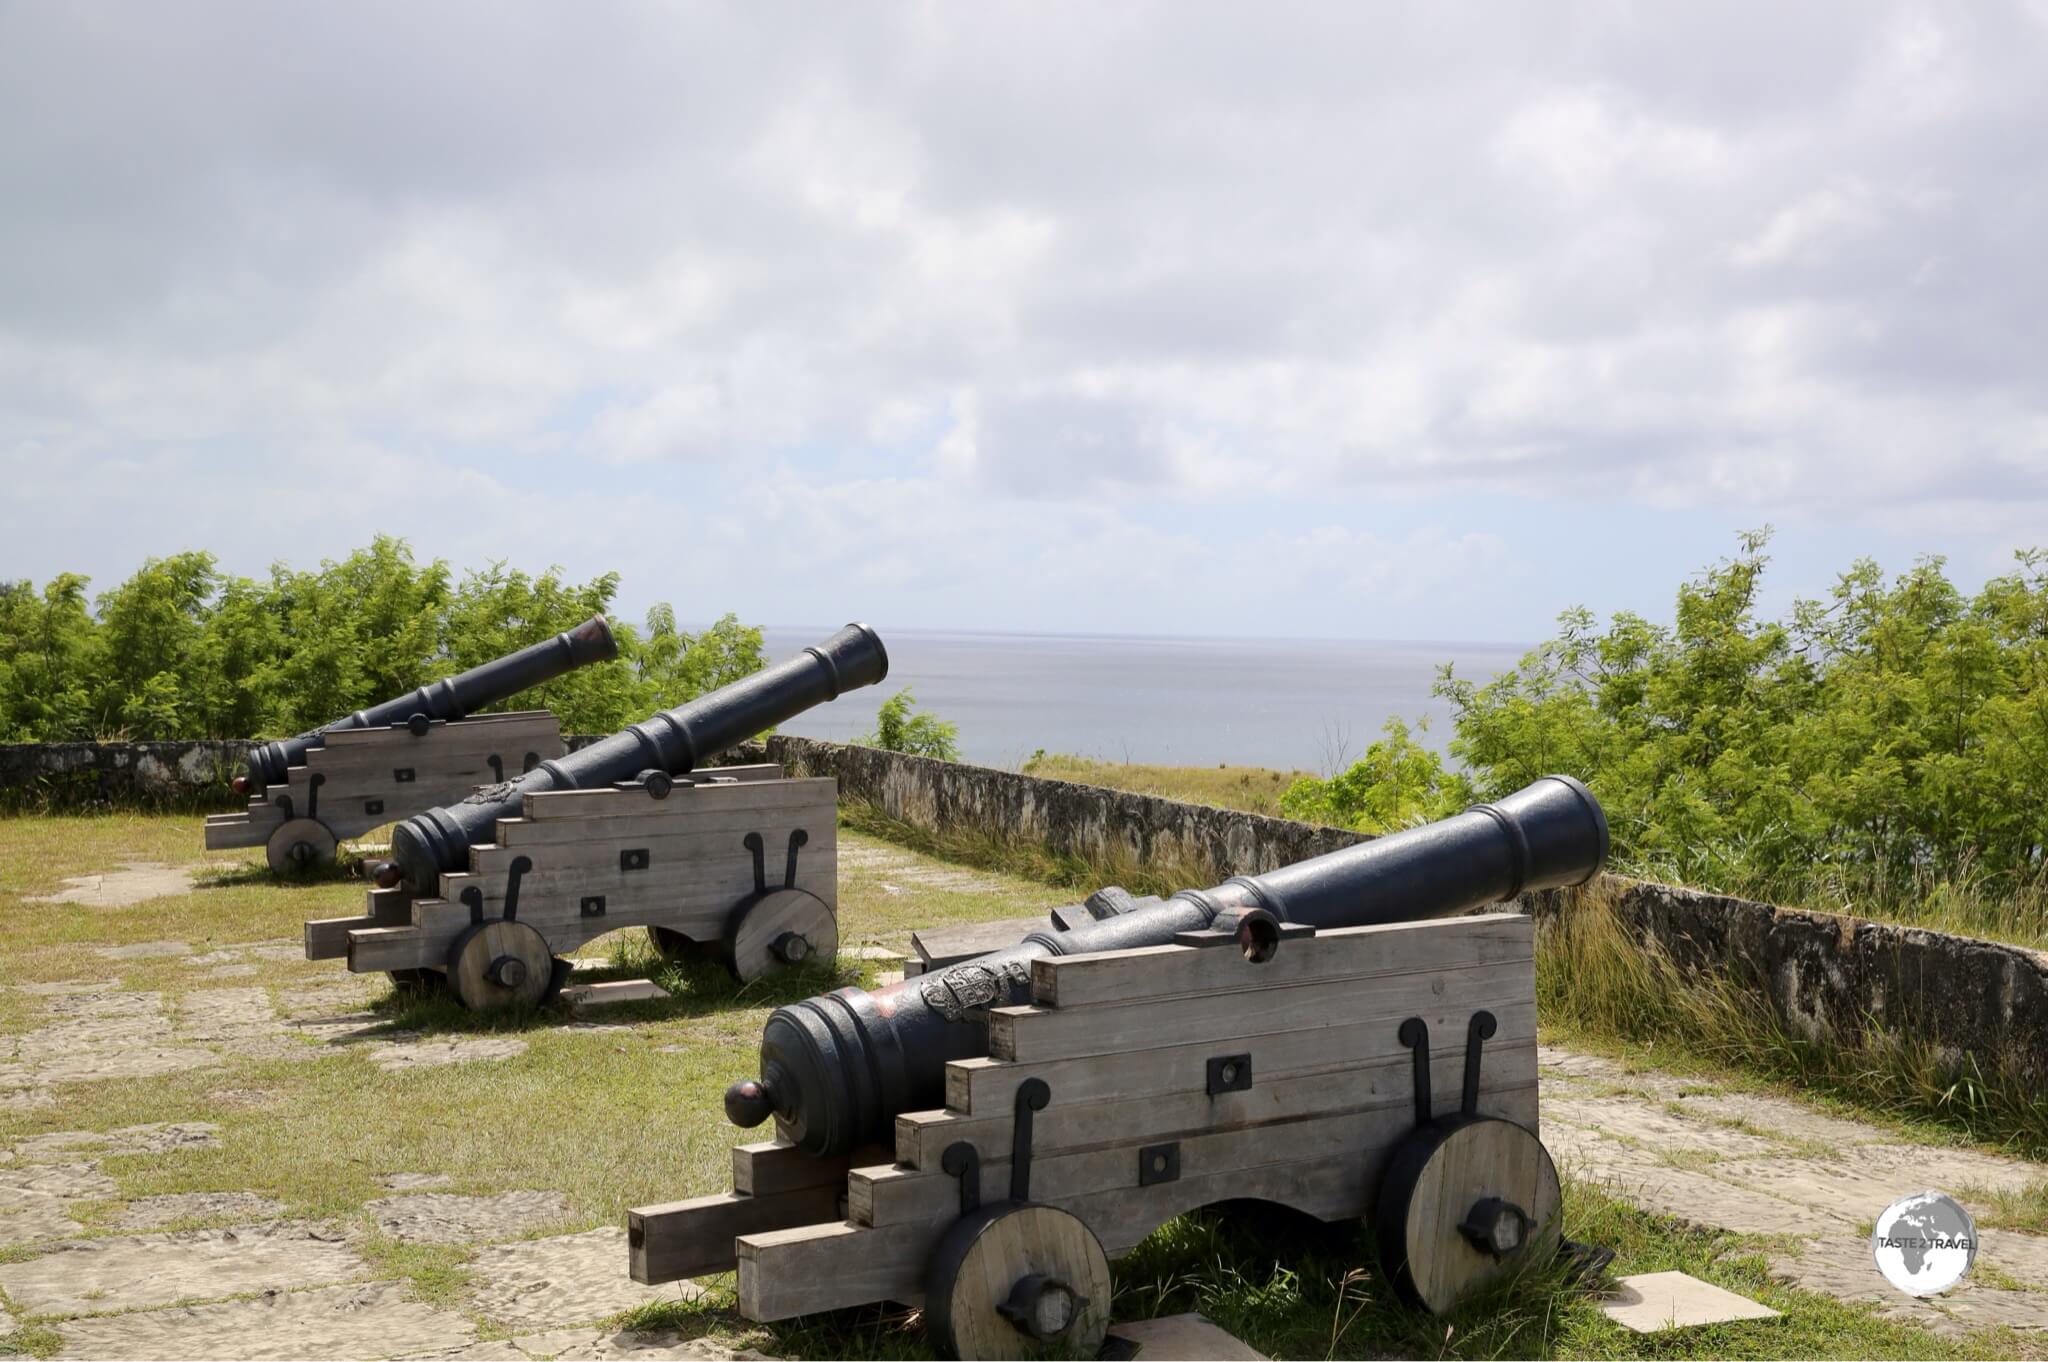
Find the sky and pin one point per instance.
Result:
(1374, 321)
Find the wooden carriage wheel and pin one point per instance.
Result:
(501, 964)
(1465, 1201)
(781, 929)
(1017, 1280)
(299, 844)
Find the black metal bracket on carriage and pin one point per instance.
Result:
(1415, 1035)
(474, 895)
(313, 784)
(963, 1161)
(757, 846)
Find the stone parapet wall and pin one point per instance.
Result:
(190, 774)
(1109, 827)
(121, 774)
(1846, 978)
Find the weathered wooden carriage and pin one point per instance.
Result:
(363, 778)
(734, 863)
(1140, 1084)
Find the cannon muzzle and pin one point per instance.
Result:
(836, 1069)
(456, 697)
(674, 741)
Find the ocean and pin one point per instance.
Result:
(1290, 704)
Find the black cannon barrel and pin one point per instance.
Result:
(836, 1069)
(674, 741)
(455, 697)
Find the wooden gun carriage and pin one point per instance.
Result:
(1141, 1084)
(734, 863)
(363, 778)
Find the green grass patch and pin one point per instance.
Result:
(1253, 789)
(31, 1340)
(1026, 859)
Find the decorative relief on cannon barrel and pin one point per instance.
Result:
(953, 993)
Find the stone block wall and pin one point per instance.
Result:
(1848, 978)
(1106, 826)
(191, 774)
(120, 774)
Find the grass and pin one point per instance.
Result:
(1022, 860)
(628, 1112)
(1254, 789)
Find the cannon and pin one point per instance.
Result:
(1279, 1037)
(730, 864)
(308, 793)
(670, 744)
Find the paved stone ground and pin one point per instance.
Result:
(220, 1274)
(1758, 1164)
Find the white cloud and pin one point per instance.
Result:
(1024, 286)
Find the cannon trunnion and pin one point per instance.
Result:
(737, 864)
(1139, 1084)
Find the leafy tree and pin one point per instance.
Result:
(50, 649)
(1885, 736)
(151, 624)
(899, 728)
(180, 650)
(1397, 784)
(671, 666)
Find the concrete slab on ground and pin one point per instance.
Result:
(1651, 1302)
(1182, 1338)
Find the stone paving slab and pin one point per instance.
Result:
(1652, 1125)
(399, 1053)
(86, 1276)
(573, 1345)
(572, 1278)
(35, 1199)
(1860, 1185)
(156, 1137)
(371, 1319)
(135, 882)
(1796, 1172)
(155, 1212)
(1782, 1118)
(437, 1218)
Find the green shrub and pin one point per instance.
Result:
(899, 728)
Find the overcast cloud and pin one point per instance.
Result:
(1366, 320)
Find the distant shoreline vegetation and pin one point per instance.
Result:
(181, 650)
